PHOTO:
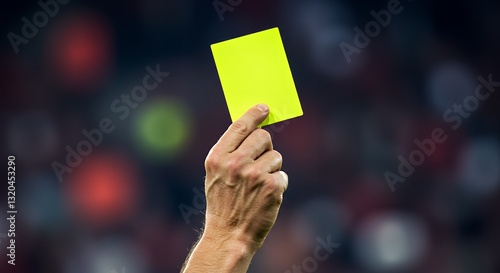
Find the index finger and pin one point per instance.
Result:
(241, 128)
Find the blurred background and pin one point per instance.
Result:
(109, 174)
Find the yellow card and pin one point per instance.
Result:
(254, 69)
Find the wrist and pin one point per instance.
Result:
(216, 230)
(233, 241)
(223, 254)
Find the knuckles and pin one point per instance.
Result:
(253, 174)
(271, 185)
(238, 166)
(263, 135)
(276, 185)
(234, 165)
(212, 162)
(277, 156)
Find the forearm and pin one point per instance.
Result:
(219, 255)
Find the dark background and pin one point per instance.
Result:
(120, 208)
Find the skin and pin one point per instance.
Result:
(244, 187)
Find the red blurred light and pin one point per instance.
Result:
(103, 189)
(80, 50)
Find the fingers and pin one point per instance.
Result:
(258, 142)
(270, 161)
(282, 179)
(240, 129)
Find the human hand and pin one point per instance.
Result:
(244, 183)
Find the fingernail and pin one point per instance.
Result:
(263, 108)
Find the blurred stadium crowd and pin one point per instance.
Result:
(130, 201)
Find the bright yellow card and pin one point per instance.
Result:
(254, 69)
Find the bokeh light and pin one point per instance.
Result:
(111, 255)
(479, 162)
(104, 189)
(323, 25)
(79, 51)
(449, 83)
(390, 242)
(163, 129)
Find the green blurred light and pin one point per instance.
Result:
(164, 129)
